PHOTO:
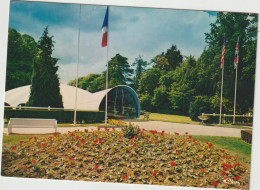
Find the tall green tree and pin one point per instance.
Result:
(174, 56)
(45, 89)
(119, 71)
(21, 52)
(140, 65)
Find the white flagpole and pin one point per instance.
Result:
(221, 94)
(75, 108)
(235, 97)
(107, 66)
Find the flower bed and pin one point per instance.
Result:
(150, 157)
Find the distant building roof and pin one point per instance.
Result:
(85, 99)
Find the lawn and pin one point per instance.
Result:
(150, 157)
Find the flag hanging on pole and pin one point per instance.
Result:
(236, 55)
(223, 54)
(105, 30)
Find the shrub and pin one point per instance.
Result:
(199, 106)
(129, 131)
(60, 115)
(246, 135)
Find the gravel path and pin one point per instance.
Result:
(168, 127)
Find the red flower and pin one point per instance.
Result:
(229, 166)
(25, 168)
(176, 133)
(33, 160)
(210, 145)
(43, 144)
(135, 137)
(53, 151)
(35, 138)
(55, 135)
(21, 142)
(223, 173)
(30, 139)
(226, 157)
(50, 137)
(143, 129)
(77, 137)
(202, 171)
(173, 163)
(82, 141)
(223, 151)
(224, 164)
(214, 183)
(154, 173)
(71, 159)
(236, 178)
(124, 176)
(186, 133)
(98, 129)
(100, 141)
(155, 142)
(190, 136)
(96, 166)
(113, 129)
(236, 164)
(193, 160)
(162, 133)
(194, 140)
(14, 147)
(134, 144)
(224, 168)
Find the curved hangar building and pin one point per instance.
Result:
(122, 99)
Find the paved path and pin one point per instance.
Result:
(192, 129)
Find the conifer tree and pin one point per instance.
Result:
(45, 89)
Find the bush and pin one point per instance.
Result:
(199, 106)
(129, 131)
(246, 135)
(60, 115)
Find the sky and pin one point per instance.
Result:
(132, 32)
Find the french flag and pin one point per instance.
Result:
(105, 30)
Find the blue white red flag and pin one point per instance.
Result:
(236, 55)
(105, 30)
(223, 54)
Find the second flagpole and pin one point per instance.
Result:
(107, 65)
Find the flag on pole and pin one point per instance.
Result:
(105, 30)
(236, 55)
(223, 53)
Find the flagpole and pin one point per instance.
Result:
(234, 116)
(235, 97)
(222, 67)
(107, 68)
(75, 108)
(221, 94)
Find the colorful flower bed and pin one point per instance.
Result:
(117, 123)
(150, 157)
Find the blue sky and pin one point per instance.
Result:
(132, 32)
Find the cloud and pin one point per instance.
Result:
(132, 32)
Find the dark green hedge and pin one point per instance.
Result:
(60, 115)
(246, 135)
(245, 120)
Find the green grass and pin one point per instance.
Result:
(170, 118)
(12, 139)
(232, 145)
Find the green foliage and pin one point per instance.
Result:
(60, 115)
(91, 82)
(119, 71)
(140, 68)
(20, 55)
(199, 106)
(174, 57)
(160, 99)
(246, 135)
(130, 131)
(45, 90)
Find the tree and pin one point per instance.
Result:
(21, 52)
(119, 71)
(45, 90)
(174, 57)
(140, 68)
